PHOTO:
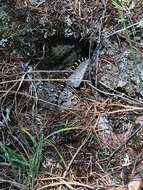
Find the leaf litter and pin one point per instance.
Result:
(97, 142)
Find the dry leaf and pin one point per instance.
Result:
(135, 185)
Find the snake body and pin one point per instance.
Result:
(57, 96)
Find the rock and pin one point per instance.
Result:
(126, 73)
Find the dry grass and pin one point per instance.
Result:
(84, 147)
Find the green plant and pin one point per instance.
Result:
(124, 18)
(29, 166)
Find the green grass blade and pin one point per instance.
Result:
(36, 157)
(13, 157)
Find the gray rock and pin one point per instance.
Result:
(126, 72)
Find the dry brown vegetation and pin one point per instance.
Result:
(96, 144)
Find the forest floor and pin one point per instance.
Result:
(93, 140)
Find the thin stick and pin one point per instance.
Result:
(78, 150)
(137, 24)
(139, 127)
(75, 183)
(18, 185)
